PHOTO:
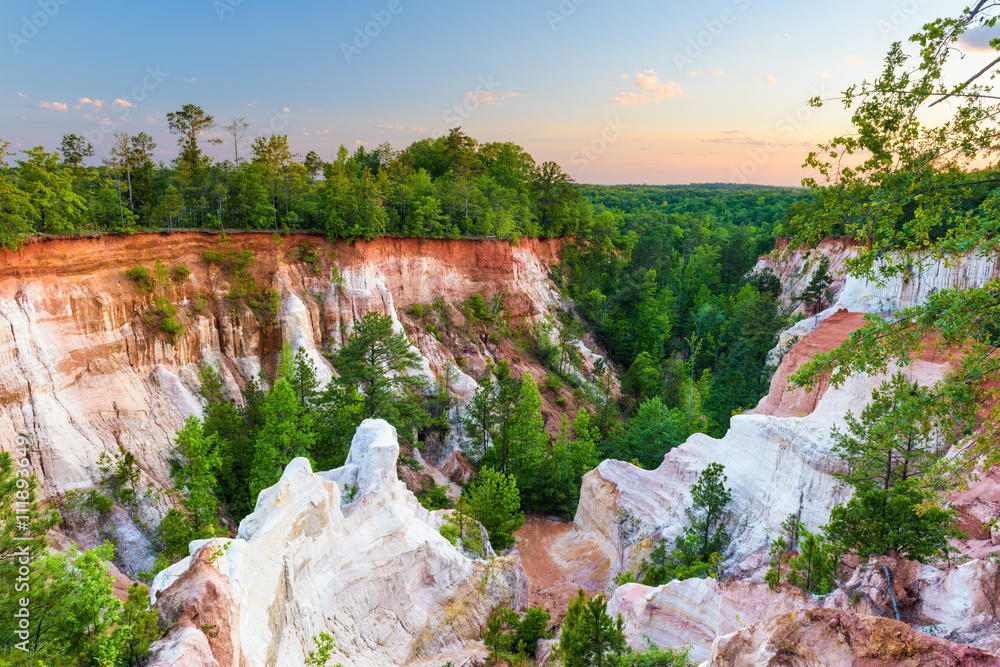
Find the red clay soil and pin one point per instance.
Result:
(551, 585)
(831, 332)
(79, 255)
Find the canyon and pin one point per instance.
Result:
(84, 372)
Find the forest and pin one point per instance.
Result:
(448, 187)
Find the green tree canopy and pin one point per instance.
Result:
(379, 364)
(590, 637)
(494, 501)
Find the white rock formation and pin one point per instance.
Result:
(959, 604)
(374, 572)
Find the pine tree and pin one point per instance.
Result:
(709, 497)
(898, 436)
(494, 501)
(143, 627)
(194, 476)
(815, 293)
(527, 435)
(814, 569)
(590, 637)
(287, 433)
(300, 371)
(479, 420)
(378, 363)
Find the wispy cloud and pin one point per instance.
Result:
(709, 72)
(751, 141)
(649, 81)
(119, 102)
(287, 110)
(769, 80)
(824, 75)
(98, 105)
(854, 60)
(626, 99)
(22, 95)
(190, 79)
(487, 97)
(654, 90)
(390, 127)
(57, 106)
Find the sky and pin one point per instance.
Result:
(615, 92)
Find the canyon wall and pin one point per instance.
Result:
(778, 461)
(84, 370)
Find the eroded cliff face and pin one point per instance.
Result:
(372, 570)
(84, 369)
(778, 461)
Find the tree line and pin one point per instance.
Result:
(449, 187)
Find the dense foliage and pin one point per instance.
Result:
(666, 279)
(60, 609)
(447, 187)
(590, 637)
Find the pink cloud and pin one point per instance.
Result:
(655, 90)
(57, 106)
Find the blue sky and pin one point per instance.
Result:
(623, 92)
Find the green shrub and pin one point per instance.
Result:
(166, 312)
(551, 383)
(307, 253)
(656, 656)
(532, 627)
(98, 502)
(142, 277)
(476, 309)
(179, 273)
(435, 498)
(230, 260)
(171, 327)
